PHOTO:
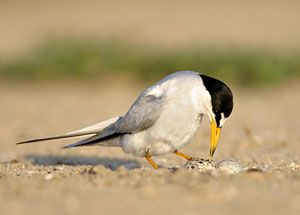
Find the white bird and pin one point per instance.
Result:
(164, 118)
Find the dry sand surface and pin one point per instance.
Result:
(43, 179)
(257, 23)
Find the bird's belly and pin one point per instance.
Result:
(164, 136)
(138, 144)
(176, 133)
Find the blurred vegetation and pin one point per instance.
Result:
(88, 59)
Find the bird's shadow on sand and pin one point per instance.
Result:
(110, 163)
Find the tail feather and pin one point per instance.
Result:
(93, 129)
(93, 140)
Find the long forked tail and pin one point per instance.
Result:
(106, 135)
(93, 129)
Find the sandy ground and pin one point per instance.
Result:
(262, 133)
(258, 23)
(41, 178)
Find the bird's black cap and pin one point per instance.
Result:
(221, 97)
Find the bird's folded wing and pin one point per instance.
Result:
(142, 114)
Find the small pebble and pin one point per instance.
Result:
(229, 167)
(30, 172)
(48, 176)
(97, 170)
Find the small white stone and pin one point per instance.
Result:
(293, 166)
(48, 176)
(229, 167)
(200, 165)
(30, 172)
(61, 167)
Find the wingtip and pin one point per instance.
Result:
(24, 142)
(65, 147)
(69, 146)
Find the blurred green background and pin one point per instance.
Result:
(245, 43)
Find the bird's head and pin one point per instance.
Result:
(219, 109)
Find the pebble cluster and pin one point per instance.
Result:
(225, 166)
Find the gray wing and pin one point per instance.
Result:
(142, 114)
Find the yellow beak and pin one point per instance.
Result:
(215, 134)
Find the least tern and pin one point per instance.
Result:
(163, 119)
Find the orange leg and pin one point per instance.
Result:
(149, 159)
(183, 155)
